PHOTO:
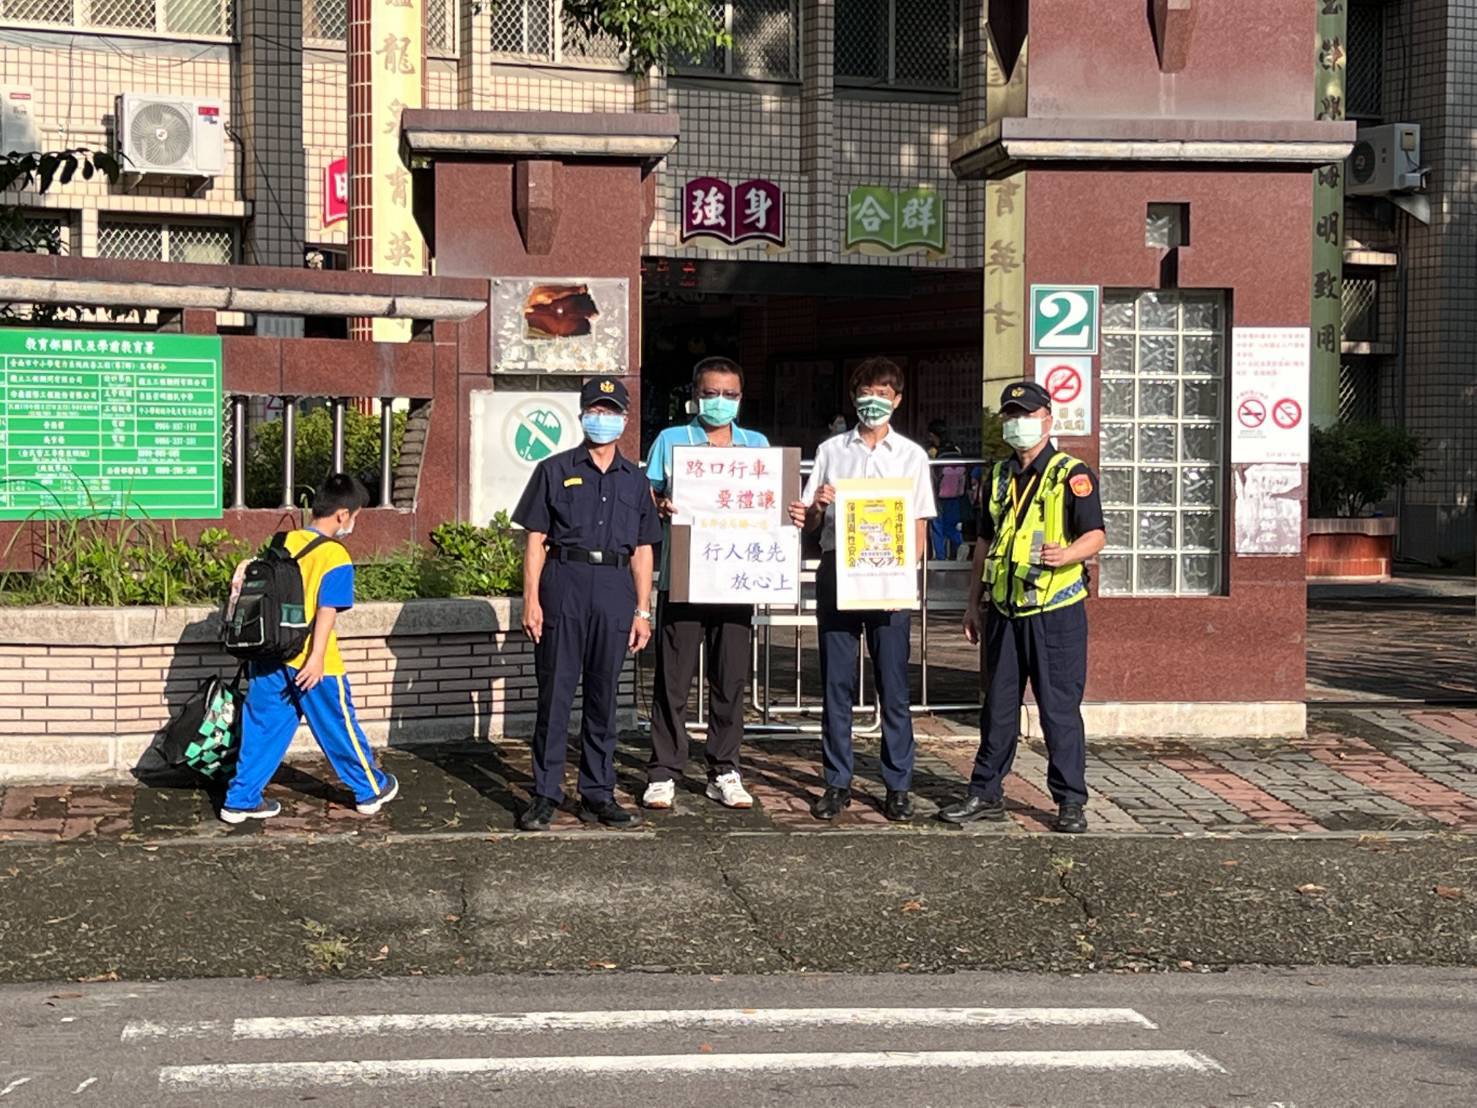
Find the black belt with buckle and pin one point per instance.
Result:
(589, 557)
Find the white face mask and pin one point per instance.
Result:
(1023, 432)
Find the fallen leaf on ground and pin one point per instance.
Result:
(705, 1048)
(1231, 862)
(912, 906)
(111, 975)
(1449, 892)
(1311, 889)
(602, 965)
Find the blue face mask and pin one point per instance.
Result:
(717, 411)
(603, 427)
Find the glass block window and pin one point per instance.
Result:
(911, 44)
(766, 43)
(196, 243)
(1162, 443)
(537, 30)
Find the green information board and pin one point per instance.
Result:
(100, 423)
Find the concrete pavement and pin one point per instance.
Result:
(1249, 1037)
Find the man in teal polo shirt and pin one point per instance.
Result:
(725, 629)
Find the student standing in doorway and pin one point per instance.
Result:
(723, 629)
(871, 449)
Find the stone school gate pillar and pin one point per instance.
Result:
(1149, 236)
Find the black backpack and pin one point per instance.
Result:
(268, 621)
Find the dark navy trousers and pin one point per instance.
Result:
(889, 642)
(1049, 650)
(587, 627)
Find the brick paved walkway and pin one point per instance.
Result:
(1376, 770)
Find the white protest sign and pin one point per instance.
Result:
(739, 544)
(1270, 369)
(876, 545)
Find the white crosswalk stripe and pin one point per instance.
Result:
(514, 1040)
(298, 1027)
(266, 1075)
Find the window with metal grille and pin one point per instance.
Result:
(538, 30)
(766, 44)
(21, 232)
(328, 21)
(1162, 442)
(197, 243)
(1364, 72)
(203, 18)
(1360, 305)
(912, 44)
(1359, 390)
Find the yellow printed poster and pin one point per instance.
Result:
(876, 545)
(398, 43)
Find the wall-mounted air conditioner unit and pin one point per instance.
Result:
(175, 136)
(1386, 159)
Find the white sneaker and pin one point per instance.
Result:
(729, 791)
(387, 794)
(660, 795)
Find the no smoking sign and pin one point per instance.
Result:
(1069, 383)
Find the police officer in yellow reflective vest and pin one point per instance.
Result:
(1043, 521)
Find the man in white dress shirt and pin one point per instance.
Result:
(871, 449)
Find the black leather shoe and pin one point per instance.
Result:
(972, 808)
(610, 814)
(1070, 820)
(898, 807)
(538, 815)
(831, 803)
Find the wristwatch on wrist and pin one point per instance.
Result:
(643, 615)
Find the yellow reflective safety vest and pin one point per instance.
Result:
(1020, 585)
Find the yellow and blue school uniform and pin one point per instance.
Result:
(275, 705)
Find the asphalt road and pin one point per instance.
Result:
(1247, 1037)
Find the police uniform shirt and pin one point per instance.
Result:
(1083, 504)
(578, 507)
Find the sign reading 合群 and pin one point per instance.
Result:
(94, 423)
(1064, 319)
(893, 220)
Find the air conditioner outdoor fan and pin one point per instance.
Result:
(160, 135)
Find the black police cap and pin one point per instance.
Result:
(1025, 395)
(608, 390)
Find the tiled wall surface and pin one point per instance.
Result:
(1430, 78)
(76, 78)
(95, 705)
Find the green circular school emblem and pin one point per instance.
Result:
(537, 434)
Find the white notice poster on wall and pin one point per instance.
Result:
(1068, 381)
(1270, 367)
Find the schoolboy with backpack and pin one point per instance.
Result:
(280, 620)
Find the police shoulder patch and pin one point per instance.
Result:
(1081, 485)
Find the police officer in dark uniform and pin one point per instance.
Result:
(591, 525)
(1043, 519)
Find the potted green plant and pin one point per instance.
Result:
(1354, 467)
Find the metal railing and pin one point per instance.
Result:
(338, 406)
(943, 590)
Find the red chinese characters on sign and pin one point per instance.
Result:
(731, 497)
(336, 192)
(712, 208)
